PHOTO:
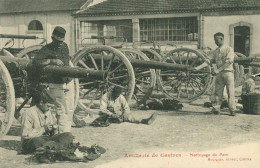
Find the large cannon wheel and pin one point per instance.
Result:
(119, 70)
(7, 100)
(185, 86)
(145, 78)
(32, 51)
(29, 52)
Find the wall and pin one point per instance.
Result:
(213, 24)
(18, 24)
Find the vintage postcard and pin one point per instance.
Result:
(130, 83)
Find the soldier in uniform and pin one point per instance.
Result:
(224, 58)
(249, 85)
(114, 105)
(38, 124)
(57, 53)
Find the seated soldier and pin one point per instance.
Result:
(248, 90)
(249, 85)
(114, 105)
(40, 136)
(37, 124)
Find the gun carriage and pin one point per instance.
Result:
(101, 67)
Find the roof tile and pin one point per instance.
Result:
(142, 6)
(17, 6)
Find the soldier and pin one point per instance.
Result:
(114, 105)
(224, 58)
(249, 85)
(37, 124)
(57, 53)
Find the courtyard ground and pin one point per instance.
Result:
(187, 138)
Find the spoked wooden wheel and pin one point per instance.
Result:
(29, 52)
(119, 74)
(145, 78)
(185, 86)
(7, 100)
(151, 54)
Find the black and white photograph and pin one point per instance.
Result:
(130, 83)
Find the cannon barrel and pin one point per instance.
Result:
(158, 65)
(67, 71)
(17, 36)
(25, 64)
(148, 64)
(242, 60)
(254, 64)
(21, 62)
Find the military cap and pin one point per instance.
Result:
(59, 33)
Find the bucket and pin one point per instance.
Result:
(251, 103)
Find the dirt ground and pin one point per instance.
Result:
(187, 138)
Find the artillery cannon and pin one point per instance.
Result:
(16, 81)
(98, 68)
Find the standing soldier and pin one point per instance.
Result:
(224, 58)
(57, 53)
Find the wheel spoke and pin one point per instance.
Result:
(194, 63)
(179, 58)
(193, 89)
(140, 89)
(187, 91)
(169, 81)
(171, 75)
(102, 62)
(175, 85)
(142, 81)
(172, 60)
(93, 61)
(88, 91)
(198, 75)
(197, 83)
(27, 56)
(93, 98)
(187, 59)
(179, 90)
(110, 63)
(119, 66)
(135, 97)
(83, 64)
(116, 85)
(118, 77)
(84, 84)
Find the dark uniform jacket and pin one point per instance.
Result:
(49, 51)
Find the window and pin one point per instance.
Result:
(169, 29)
(118, 28)
(35, 25)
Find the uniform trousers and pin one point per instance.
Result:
(64, 95)
(225, 78)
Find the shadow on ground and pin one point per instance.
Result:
(15, 130)
(11, 145)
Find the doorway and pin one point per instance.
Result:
(242, 39)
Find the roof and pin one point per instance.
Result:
(26, 6)
(127, 7)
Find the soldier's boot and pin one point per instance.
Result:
(149, 120)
